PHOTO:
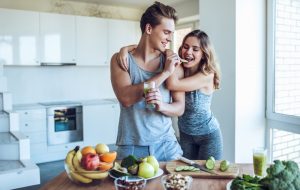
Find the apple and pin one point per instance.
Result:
(90, 161)
(101, 148)
(152, 160)
(146, 170)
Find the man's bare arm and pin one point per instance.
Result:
(127, 93)
(176, 108)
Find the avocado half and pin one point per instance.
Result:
(118, 171)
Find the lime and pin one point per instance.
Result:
(210, 163)
(211, 158)
(224, 165)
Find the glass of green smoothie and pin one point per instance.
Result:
(147, 87)
(260, 161)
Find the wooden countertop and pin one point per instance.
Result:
(63, 182)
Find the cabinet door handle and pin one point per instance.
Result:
(57, 64)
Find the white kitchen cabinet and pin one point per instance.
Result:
(32, 120)
(122, 33)
(92, 39)
(57, 38)
(19, 35)
(33, 125)
(100, 123)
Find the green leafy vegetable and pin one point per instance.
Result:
(282, 175)
(246, 182)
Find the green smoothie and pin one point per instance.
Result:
(147, 87)
(259, 163)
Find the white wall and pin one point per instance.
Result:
(217, 20)
(239, 105)
(250, 77)
(43, 84)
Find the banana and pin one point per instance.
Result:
(80, 178)
(96, 175)
(69, 158)
(76, 162)
(86, 173)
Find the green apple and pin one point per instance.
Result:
(146, 170)
(152, 160)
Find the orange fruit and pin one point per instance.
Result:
(104, 166)
(88, 149)
(108, 157)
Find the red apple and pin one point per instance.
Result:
(90, 161)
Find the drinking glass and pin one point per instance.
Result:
(259, 161)
(147, 87)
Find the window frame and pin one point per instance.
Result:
(275, 120)
(190, 23)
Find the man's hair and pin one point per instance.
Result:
(155, 13)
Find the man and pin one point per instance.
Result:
(143, 131)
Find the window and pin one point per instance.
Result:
(180, 32)
(283, 94)
(179, 35)
(284, 61)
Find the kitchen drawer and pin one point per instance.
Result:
(64, 147)
(32, 114)
(36, 137)
(33, 126)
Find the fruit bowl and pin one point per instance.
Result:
(87, 165)
(176, 182)
(84, 176)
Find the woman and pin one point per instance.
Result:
(200, 134)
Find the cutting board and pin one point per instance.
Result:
(231, 173)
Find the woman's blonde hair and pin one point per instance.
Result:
(208, 63)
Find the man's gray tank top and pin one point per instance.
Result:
(139, 125)
(198, 118)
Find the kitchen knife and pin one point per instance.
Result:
(193, 163)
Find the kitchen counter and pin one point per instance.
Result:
(82, 102)
(99, 101)
(63, 182)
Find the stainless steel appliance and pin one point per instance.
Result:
(64, 122)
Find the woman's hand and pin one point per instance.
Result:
(172, 61)
(122, 58)
(154, 97)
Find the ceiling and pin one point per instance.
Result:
(131, 3)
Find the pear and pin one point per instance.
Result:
(146, 170)
(152, 160)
